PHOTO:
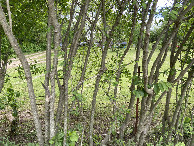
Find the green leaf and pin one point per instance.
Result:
(174, 12)
(160, 87)
(178, 5)
(115, 83)
(141, 93)
(180, 144)
(136, 93)
(156, 88)
(72, 143)
(164, 13)
(169, 85)
(10, 90)
(187, 120)
(165, 87)
(173, 16)
(61, 135)
(51, 141)
(144, 5)
(74, 136)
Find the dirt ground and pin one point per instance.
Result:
(31, 59)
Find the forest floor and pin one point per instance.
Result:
(78, 121)
(25, 132)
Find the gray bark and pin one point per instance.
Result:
(118, 72)
(28, 75)
(178, 106)
(173, 60)
(132, 88)
(145, 103)
(2, 75)
(3, 65)
(57, 34)
(64, 48)
(171, 77)
(71, 55)
(9, 14)
(145, 50)
(101, 71)
(47, 78)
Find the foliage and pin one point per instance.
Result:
(10, 98)
(5, 142)
(33, 47)
(110, 84)
(58, 139)
(34, 70)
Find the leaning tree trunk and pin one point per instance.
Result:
(146, 100)
(132, 88)
(3, 66)
(178, 106)
(102, 70)
(28, 75)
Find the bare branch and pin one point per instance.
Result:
(9, 13)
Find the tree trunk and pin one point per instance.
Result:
(28, 75)
(178, 106)
(71, 55)
(118, 72)
(101, 71)
(57, 35)
(47, 78)
(132, 88)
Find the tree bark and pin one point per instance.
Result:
(132, 88)
(9, 14)
(47, 79)
(28, 75)
(118, 72)
(178, 106)
(64, 48)
(71, 55)
(3, 66)
(57, 35)
(146, 100)
(101, 71)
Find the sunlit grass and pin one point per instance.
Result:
(123, 96)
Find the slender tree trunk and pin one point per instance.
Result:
(178, 106)
(47, 78)
(2, 67)
(101, 71)
(166, 120)
(118, 73)
(93, 25)
(64, 48)
(71, 55)
(132, 88)
(57, 35)
(2, 76)
(98, 78)
(146, 100)
(9, 14)
(173, 60)
(28, 75)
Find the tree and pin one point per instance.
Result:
(70, 22)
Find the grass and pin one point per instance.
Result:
(104, 103)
